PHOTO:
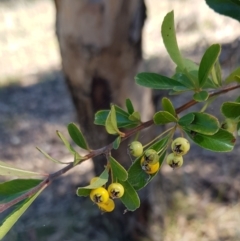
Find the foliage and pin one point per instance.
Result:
(229, 8)
(204, 82)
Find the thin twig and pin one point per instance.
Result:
(100, 151)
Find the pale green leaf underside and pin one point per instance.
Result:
(9, 170)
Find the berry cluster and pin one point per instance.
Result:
(150, 159)
(180, 147)
(104, 197)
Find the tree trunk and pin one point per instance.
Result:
(100, 44)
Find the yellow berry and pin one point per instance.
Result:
(115, 190)
(99, 195)
(174, 161)
(136, 148)
(108, 206)
(180, 146)
(151, 156)
(149, 168)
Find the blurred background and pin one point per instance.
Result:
(199, 201)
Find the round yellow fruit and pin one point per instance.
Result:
(115, 190)
(99, 195)
(174, 161)
(136, 148)
(149, 168)
(180, 146)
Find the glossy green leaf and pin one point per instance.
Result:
(12, 218)
(156, 81)
(186, 119)
(229, 8)
(238, 129)
(135, 116)
(129, 106)
(12, 189)
(118, 170)
(139, 178)
(117, 142)
(50, 158)
(100, 181)
(66, 143)
(204, 123)
(232, 77)
(201, 96)
(167, 105)
(185, 80)
(163, 117)
(9, 170)
(222, 141)
(170, 40)
(122, 119)
(207, 62)
(231, 110)
(130, 198)
(77, 136)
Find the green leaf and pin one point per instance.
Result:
(186, 119)
(217, 74)
(136, 176)
(12, 218)
(201, 96)
(135, 116)
(100, 181)
(50, 158)
(66, 143)
(222, 141)
(139, 178)
(207, 62)
(118, 170)
(168, 106)
(232, 77)
(9, 170)
(190, 65)
(231, 110)
(186, 80)
(238, 129)
(130, 198)
(163, 117)
(229, 8)
(77, 136)
(12, 189)
(122, 119)
(203, 123)
(82, 192)
(111, 123)
(117, 142)
(156, 81)
(129, 106)
(170, 40)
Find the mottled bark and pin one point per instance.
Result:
(100, 44)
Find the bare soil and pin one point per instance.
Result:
(200, 201)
